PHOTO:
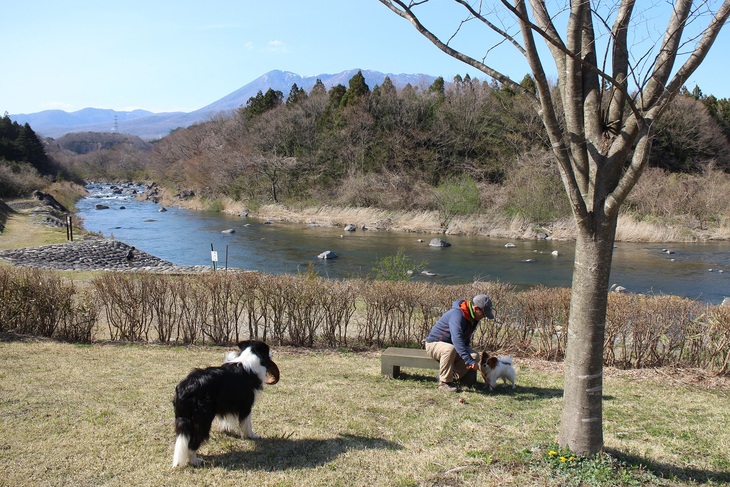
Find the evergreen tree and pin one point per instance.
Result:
(720, 110)
(358, 89)
(31, 149)
(337, 93)
(438, 87)
(318, 88)
(19, 143)
(261, 103)
(296, 95)
(388, 88)
(529, 84)
(8, 134)
(697, 93)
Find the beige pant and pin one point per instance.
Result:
(451, 366)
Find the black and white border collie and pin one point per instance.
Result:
(226, 393)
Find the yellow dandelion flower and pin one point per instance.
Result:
(563, 459)
(552, 453)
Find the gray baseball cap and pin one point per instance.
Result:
(483, 302)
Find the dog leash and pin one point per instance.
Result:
(484, 376)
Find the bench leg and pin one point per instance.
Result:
(388, 369)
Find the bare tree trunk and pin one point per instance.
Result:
(581, 426)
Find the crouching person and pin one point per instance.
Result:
(449, 341)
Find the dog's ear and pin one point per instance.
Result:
(492, 362)
(272, 373)
(483, 358)
(243, 345)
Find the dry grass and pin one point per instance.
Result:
(486, 224)
(25, 229)
(373, 218)
(631, 230)
(102, 415)
(21, 231)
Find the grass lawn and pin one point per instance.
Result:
(101, 414)
(23, 229)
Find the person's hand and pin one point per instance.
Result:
(473, 366)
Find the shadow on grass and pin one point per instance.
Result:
(9, 337)
(273, 454)
(667, 471)
(520, 393)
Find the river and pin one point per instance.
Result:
(184, 237)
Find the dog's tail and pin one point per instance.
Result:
(506, 360)
(182, 451)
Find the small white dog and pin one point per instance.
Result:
(495, 368)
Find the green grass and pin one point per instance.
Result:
(101, 414)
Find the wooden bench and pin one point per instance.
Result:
(393, 358)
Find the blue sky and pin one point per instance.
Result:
(183, 55)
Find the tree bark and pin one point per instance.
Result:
(581, 426)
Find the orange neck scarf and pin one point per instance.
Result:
(467, 310)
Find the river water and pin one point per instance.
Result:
(184, 237)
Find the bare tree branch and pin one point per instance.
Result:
(575, 184)
(635, 129)
(478, 15)
(620, 64)
(551, 42)
(698, 55)
(664, 63)
(401, 9)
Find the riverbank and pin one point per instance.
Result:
(33, 236)
(28, 224)
(639, 268)
(91, 254)
(487, 225)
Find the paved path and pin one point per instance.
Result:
(92, 254)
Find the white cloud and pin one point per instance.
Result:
(57, 105)
(276, 46)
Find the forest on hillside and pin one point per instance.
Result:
(24, 163)
(460, 147)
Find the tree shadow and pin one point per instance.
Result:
(528, 393)
(667, 471)
(277, 454)
(9, 337)
(520, 393)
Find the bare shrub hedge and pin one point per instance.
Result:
(40, 303)
(305, 310)
(533, 323)
(127, 304)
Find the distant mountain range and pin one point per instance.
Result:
(149, 125)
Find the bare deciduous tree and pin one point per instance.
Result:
(611, 90)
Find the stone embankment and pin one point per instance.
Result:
(92, 254)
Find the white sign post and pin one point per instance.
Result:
(214, 257)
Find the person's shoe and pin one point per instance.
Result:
(448, 386)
